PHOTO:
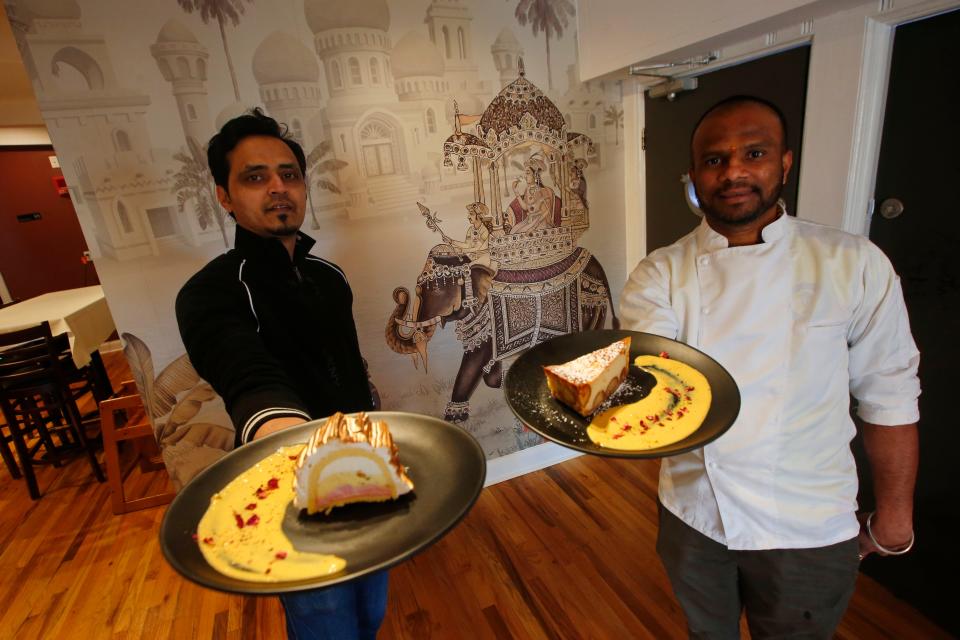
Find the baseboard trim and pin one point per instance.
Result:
(523, 462)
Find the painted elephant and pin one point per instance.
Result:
(488, 308)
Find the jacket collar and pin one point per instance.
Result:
(709, 240)
(250, 245)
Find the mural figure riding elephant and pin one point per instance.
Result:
(498, 313)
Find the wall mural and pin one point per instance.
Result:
(419, 119)
(518, 278)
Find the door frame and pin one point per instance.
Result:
(871, 107)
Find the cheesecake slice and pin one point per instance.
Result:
(583, 384)
(349, 459)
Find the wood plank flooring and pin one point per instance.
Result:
(566, 552)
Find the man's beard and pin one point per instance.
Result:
(743, 216)
(284, 222)
(286, 228)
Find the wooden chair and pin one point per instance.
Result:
(6, 441)
(36, 397)
(124, 418)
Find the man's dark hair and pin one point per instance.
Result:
(737, 100)
(254, 123)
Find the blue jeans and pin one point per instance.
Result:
(352, 611)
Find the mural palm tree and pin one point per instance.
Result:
(549, 16)
(221, 11)
(193, 181)
(613, 117)
(323, 172)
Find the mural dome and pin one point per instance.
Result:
(281, 57)
(516, 99)
(49, 9)
(335, 14)
(415, 55)
(506, 40)
(174, 31)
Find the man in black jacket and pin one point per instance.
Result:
(271, 328)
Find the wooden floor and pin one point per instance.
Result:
(567, 552)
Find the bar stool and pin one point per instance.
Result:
(36, 396)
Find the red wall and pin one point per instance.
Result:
(43, 255)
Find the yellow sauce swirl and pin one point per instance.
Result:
(673, 409)
(241, 533)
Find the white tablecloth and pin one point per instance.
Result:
(80, 313)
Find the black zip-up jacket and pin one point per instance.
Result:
(274, 337)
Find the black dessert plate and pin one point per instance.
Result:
(447, 467)
(529, 398)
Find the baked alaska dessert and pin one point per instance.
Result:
(348, 459)
(584, 383)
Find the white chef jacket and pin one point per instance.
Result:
(801, 321)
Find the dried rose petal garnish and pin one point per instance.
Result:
(251, 506)
(253, 520)
(239, 519)
(281, 555)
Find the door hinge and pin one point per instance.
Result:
(643, 139)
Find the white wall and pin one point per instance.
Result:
(846, 86)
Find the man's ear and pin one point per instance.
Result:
(224, 198)
(787, 162)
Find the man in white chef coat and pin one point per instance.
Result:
(803, 316)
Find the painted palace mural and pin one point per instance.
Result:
(450, 147)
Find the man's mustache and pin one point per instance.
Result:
(280, 202)
(739, 186)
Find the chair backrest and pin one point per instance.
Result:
(32, 353)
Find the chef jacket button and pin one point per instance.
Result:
(706, 311)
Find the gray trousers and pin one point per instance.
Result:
(786, 593)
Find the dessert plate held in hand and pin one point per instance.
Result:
(447, 467)
(530, 400)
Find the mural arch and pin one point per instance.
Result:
(382, 151)
(83, 63)
(121, 141)
(123, 218)
(336, 75)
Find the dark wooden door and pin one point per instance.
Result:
(41, 244)
(779, 78)
(918, 167)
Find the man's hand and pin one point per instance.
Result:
(277, 424)
(894, 455)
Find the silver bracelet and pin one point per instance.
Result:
(883, 549)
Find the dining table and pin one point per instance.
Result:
(80, 313)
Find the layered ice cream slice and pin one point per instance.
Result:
(349, 459)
